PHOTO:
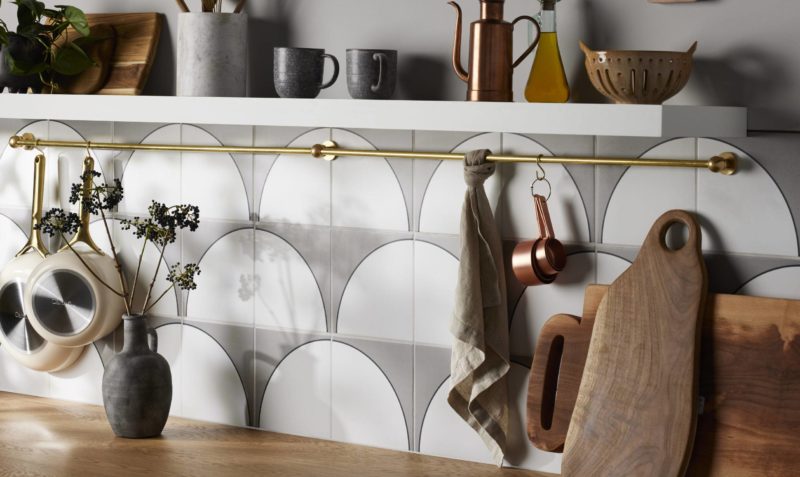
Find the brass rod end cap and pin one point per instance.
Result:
(725, 163)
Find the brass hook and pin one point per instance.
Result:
(541, 176)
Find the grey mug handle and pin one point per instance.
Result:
(152, 341)
(382, 60)
(335, 71)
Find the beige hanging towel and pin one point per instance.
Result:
(480, 359)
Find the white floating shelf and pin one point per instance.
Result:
(537, 118)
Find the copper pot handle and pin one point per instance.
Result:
(533, 44)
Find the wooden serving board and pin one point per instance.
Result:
(749, 378)
(137, 39)
(637, 402)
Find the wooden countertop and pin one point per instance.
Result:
(44, 437)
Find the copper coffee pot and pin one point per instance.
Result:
(491, 63)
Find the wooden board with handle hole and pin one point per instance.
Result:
(137, 39)
(636, 406)
(749, 380)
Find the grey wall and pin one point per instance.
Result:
(747, 50)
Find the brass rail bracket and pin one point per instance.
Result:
(318, 151)
(725, 163)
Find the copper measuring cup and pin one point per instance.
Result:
(538, 262)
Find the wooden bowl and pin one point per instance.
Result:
(638, 77)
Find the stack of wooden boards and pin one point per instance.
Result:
(618, 388)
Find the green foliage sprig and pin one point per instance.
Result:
(43, 26)
(159, 228)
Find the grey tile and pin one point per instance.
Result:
(431, 369)
(402, 170)
(312, 244)
(271, 137)
(238, 342)
(207, 176)
(395, 360)
(271, 348)
(728, 273)
(777, 153)
(352, 248)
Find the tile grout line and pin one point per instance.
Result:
(413, 440)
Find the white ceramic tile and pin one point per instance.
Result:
(745, 212)
(212, 389)
(644, 193)
(153, 175)
(566, 208)
(377, 301)
(365, 191)
(223, 294)
(67, 163)
(82, 382)
(435, 279)
(520, 452)
(539, 303)
(16, 169)
(11, 239)
(610, 267)
(445, 434)
(298, 396)
(128, 249)
(169, 346)
(212, 181)
(444, 196)
(16, 378)
(366, 409)
(287, 294)
(779, 283)
(298, 188)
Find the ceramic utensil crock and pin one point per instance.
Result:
(67, 303)
(17, 337)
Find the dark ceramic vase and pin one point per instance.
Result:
(137, 384)
(26, 51)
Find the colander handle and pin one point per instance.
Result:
(586, 50)
(692, 48)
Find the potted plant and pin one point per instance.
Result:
(137, 383)
(35, 54)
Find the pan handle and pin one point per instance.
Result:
(83, 235)
(558, 363)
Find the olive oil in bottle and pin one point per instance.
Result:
(548, 81)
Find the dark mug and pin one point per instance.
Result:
(371, 74)
(298, 72)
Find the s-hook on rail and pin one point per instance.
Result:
(724, 163)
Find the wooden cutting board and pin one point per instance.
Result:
(749, 378)
(637, 403)
(137, 39)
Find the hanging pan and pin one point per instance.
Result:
(66, 298)
(17, 336)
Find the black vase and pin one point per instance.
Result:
(137, 384)
(24, 50)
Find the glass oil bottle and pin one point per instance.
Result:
(547, 82)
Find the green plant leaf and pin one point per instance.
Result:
(22, 68)
(30, 31)
(77, 19)
(71, 60)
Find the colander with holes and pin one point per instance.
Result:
(638, 77)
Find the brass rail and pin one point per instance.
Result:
(724, 163)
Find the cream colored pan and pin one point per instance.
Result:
(67, 304)
(17, 336)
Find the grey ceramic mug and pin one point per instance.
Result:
(371, 74)
(298, 72)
